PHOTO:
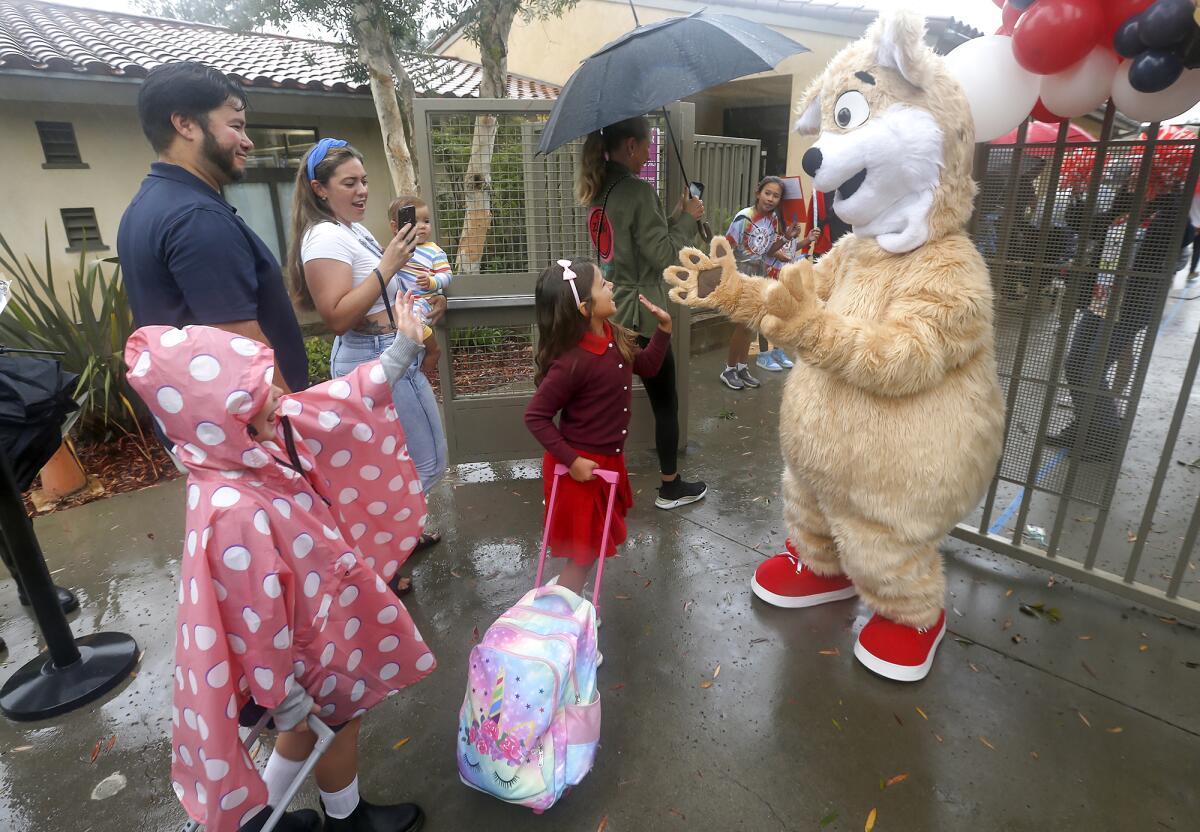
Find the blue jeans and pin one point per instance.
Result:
(412, 396)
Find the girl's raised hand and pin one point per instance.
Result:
(661, 315)
(407, 322)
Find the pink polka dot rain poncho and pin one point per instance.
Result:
(278, 581)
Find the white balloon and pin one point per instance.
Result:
(1155, 106)
(1000, 91)
(1082, 87)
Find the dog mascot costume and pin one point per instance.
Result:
(892, 420)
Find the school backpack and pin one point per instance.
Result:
(529, 724)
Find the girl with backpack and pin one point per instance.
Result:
(585, 366)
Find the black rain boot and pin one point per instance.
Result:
(66, 598)
(305, 820)
(366, 817)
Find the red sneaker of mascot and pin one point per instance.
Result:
(892, 420)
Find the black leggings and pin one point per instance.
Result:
(664, 401)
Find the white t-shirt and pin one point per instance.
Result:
(1194, 213)
(354, 246)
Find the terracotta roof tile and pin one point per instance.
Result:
(43, 36)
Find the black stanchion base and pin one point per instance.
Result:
(39, 690)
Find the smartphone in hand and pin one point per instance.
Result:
(407, 216)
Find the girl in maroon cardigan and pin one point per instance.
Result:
(585, 366)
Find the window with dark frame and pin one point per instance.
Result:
(83, 231)
(59, 144)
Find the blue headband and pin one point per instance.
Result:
(317, 154)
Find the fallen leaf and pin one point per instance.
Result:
(1083, 719)
(677, 814)
(896, 716)
(401, 743)
(456, 573)
(647, 583)
(687, 605)
(475, 634)
(899, 778)
(828, 819)
(1008, 594)
(957, 611)
(617, 686)
(754, 641)
(1088, 668)
(922, 713)
(971, 665)
(621, 597)
(150, 535)
(938, 737)
(1034, 755)
(1007, 623)
(706, 684)
(717, 672)
(96, 751)
(1086, 638)
(23, 748)
(836, 724)
(603, 824)
(1115, 729)
(984, 740)
(109, 786)
(1131, 537)
(1018, 638)
(833, 652)
(870, 824)
(111, 742)
(1143, 648)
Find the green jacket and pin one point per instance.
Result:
(636, 243)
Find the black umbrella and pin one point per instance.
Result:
(35, 398)
(657, 64)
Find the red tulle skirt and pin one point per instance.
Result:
(577, 528)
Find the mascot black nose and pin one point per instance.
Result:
(812, 161)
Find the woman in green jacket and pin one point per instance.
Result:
(634, 241)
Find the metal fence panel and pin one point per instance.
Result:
(1082, 239)
(729, 169)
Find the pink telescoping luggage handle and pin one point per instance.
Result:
(609, 477)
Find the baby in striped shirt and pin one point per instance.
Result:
(427, 271)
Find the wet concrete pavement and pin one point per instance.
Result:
(1032, 725)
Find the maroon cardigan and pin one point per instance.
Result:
(590, 386)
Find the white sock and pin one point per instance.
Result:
(341, 804)
(278, 775)
(740, 367)
(728, 369)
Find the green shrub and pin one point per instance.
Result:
(319, 349)
(90, 332)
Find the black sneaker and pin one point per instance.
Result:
(743, 373)
(367, 817)
(678, 493)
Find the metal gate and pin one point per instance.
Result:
(729, 169)
(1083, 240)
(488, 337)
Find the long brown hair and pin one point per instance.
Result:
(590, 178)
(308, 211)
(560, 324)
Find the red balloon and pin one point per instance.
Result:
(1116, 13)
(1055, 34)
(999, 3)
(1040, 113)
(1010, 15)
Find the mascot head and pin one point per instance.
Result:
(896, 137)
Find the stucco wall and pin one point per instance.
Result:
(111, 143)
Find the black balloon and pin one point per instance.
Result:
(1191, 51)
(1166, 23)
(1155, 70)
(1128, 39)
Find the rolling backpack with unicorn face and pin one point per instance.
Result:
(530, 721)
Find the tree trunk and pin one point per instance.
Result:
(494, 23)
(392, 91)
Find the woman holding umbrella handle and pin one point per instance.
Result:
(634, 241)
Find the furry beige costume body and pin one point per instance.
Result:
(892, 420)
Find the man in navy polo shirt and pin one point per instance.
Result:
(186, 256)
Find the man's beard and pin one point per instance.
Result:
(224, 160)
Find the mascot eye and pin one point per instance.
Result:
(851, 109)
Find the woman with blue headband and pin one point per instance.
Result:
(336, 266)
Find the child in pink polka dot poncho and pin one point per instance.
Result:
(295, 518)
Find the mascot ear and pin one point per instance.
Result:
(809, 121)
(900, 45)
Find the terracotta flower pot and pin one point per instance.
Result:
(63, 475)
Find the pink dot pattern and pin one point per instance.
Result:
(280, 582)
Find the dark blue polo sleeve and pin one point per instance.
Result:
(213, 265)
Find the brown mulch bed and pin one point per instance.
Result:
(115, 467)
